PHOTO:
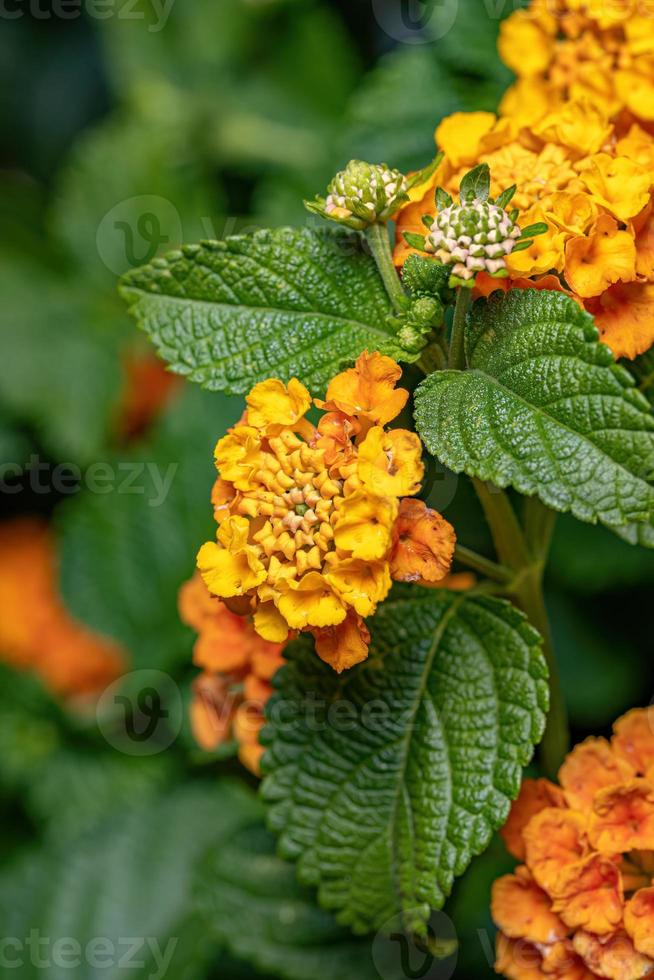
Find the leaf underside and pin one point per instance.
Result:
(386, 806)
(545, 409)
(273, 304)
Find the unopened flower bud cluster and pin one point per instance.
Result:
(367, 191)
(475, 236)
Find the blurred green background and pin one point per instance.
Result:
(127, 128)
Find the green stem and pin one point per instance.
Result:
(482, 565)
(555, 743)
(380, 246)
(525, 552)
(457, 359)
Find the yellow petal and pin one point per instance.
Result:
(311, 602)
(364, 525)
(274, 403)
(362, 584)
(460, 135)
(269, 623)
(390, 463)
(226, 574)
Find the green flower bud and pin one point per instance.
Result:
(474, 236)
(362, 194)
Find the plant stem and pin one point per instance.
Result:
(525, 552)
(457, 359)
(380, 246)
(555, 743)
(482, 565)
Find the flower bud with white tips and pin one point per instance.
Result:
(475, 236)
(362, 195)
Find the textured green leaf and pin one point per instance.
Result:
(545, 409)
(125, 553)
(132, 877)
(276, 303)
(386, 781)
(254, 906)
(476, 183)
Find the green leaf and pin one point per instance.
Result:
(414, 240)
(506, 196)
(475, 185)
(545, 409)
(420, 176)
(385, 781)
(124, 553)
(273, 304)
(132, 877)
(538, 228)
(252, 904)
(443, 200)
(425, 277)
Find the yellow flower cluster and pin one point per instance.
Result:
(581, 903)
(592, 186)
(311, 526)
(601, 51)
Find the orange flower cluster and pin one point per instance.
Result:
(590, 180)
(36, 631)
(237, 666)
(598, 50)
(581, 905)
(315, 520)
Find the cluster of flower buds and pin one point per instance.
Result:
(362, 194)
(365, 194)
(477, 234)
(473, 237)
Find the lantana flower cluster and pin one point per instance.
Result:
(598, 50)
(314, 521)
(590, 182)
(37, 633)
(581, 903)
(237, 666)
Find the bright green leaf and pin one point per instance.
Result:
(545, 409)
(475, 185)
(386, 780)
(274, 304)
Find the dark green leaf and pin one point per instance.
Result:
(475, 185)
(253, 905)
(506, 196)
(443, 199)
(385, 781)
(538, 228)
(125, 553)
(414, 240)
(544, 408)
(425, 277)
(273, 304)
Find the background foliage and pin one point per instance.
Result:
(232, 113)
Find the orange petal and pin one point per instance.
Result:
(589, 895)
(368, 390)
(423, 544)
(535, 795)
(633, 739)
(624, 316)
(605, 256)
(554, 840)
(212, 711)
(518, 959)
(591, 766)
(345, 645)
(613, 957)
(639, 920)
(623, 818)
(522, 910)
